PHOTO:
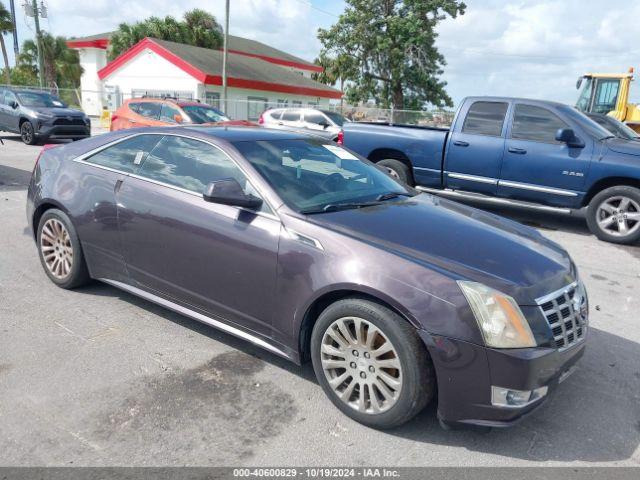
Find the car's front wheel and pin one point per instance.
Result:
(27, 134)
(614, 215)
(60, 251)
(371, 363)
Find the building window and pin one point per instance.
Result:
(177, 94)
(283, 103)
(212, 98)
(296, 103)
(255, 106)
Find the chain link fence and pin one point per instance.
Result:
(245, 109)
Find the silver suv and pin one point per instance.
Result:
(320, 122)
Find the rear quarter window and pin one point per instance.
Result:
(485, 118)
(125, 156)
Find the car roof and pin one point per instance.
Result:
(532, 101)
(242, 133)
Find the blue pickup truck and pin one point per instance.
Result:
(533, 153)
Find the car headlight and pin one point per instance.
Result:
(499, 317)
(43, 116)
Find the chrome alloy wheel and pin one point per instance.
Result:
(361, 365)
(392, 173)
(56, 248)
(619, 216)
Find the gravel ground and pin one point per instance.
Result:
(99, 377)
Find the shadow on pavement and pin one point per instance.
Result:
(593, 417)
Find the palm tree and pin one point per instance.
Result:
(60, 64)
(6, 26)
(198, 28)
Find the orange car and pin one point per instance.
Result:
(157, 112)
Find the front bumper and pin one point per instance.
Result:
(466, 372)
(46, 130)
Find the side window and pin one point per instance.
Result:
(9, 97)
(291, 115)
(149, 109)
(536, 124)
(134, 107)
(485, 118)
(314, 117)
(168, 112)
(190, 164)
(606, 96)
(125, 156)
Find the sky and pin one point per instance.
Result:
(527, 48)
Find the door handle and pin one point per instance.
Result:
(460, 143)
(116, 189)
(280, 123)
(519, 151)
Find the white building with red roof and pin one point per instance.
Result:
(257, 75)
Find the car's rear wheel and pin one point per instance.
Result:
(398, 170)
(371, 363)
(27, 134)
(614, 215)
(60, 251)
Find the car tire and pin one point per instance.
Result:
(60, 251)
(27, 133)
(613, 209)
(397, 170)
(367, 387)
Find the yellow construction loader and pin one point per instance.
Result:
(608, 93)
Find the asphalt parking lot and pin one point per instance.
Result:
(99, 377)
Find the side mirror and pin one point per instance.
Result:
(13, 104)
(178, 118)
(229, 192)
(568, 136)
(324, 124)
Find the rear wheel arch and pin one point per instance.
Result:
(392, 154)
(324, 300)
(41, 209)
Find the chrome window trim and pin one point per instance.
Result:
(82, 159)
(537, 188)
(219, 324)
(472, 178)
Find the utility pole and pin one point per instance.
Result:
(16, 50)
(32, 10)
(225, 49)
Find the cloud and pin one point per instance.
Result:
(536, 48)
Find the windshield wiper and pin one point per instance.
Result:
(391, 195)
(334, 207)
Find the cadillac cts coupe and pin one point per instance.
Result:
(303, 248)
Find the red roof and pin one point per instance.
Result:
(244, 71)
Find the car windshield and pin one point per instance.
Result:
(314, 176)
(335, 117)
(617, 128)
(39, 99)
(591, 127)
(204, 114)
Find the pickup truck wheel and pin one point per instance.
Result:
(397, 170)
(371, 363)
(614, 215)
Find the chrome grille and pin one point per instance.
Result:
(566, 312)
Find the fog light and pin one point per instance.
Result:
(506, 397)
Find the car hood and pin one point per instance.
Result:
(620, 145)
(460, 241)
(59, 111)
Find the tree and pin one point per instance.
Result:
(60, 64)
(198, 28)
(335, 69)
(392, 44)
(6, 26)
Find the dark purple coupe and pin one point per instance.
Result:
(299, 246)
